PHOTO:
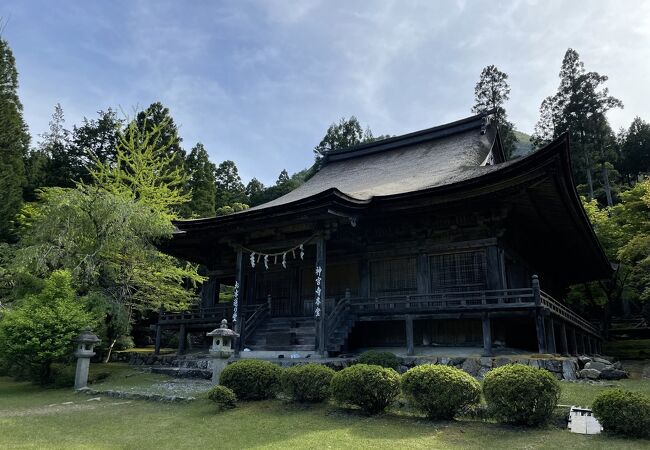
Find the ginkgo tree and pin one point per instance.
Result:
(106, 233)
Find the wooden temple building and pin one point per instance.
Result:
(427, 239)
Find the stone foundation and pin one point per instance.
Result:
(563, 368)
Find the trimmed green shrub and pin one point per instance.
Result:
(307, 383)
(520, 394)
(370, 387)
(224, 397)
(377, 358)
(440, 392)
(252, 379)
(623, 412)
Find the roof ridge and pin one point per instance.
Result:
(436, 132)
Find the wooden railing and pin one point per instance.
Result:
(252, 320)
(502, 298)
(212, 314)
(565, 313)
(338, 314)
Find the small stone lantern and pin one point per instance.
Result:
(86, 342)
(221, 349)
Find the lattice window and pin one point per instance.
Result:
(393, 277)
(458, 271)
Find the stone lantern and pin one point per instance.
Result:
(86, 342)
(221, 348)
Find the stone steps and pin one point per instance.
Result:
(284, 334)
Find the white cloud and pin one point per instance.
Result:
(259, 82)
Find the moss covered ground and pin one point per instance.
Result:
(32, 417)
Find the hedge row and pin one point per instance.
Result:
(514, 393)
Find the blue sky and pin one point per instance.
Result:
(258, 82)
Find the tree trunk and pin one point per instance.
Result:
(608, 189)
(110, 350)
(590, 182)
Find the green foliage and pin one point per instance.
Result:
(635, 150)
(624, 412)
(283, 186)
(383, 359)
(345, 133)
(520, 394)
(224, 397)
(579, 108)
(111, 322)
(157, 122)
(41, 328)
(254, 191)
(229, 209)
(94, 139)
(440, 392)
(14, 142)
(491, 93)
(107, 241)
(230, 188)
(146, 170)
(372, 388)
(307, 383)
(252, 379)
(201, 184)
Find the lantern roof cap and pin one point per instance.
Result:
(87, 337)
(223, 330)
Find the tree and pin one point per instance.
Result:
(490, 94)
(14, 143)
(106, 233)
(230, 188)
(144, 171)
(579, 108)
(634, 148)
(107, 241)
(42, 328)
(345, 133)
(167, 141)
(201, 184)
(254, 192)
(283, 185)
(283, 177)
(94, 139)
(61, 169)
(624, 232)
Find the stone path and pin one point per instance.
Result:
(87, 405)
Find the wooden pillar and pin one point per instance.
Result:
(410, 348)
(550, 335)
(487, 335)
(319, 301)
(364, 278)
(584, 344)
(574, 343)
(539, 316)
(182, 338)
(423, 278)
(209, 292)
(590, 348)
(563, 339)
(541, 333)
(493, 267)
(236, 297)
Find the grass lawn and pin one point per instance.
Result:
(32, 417)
